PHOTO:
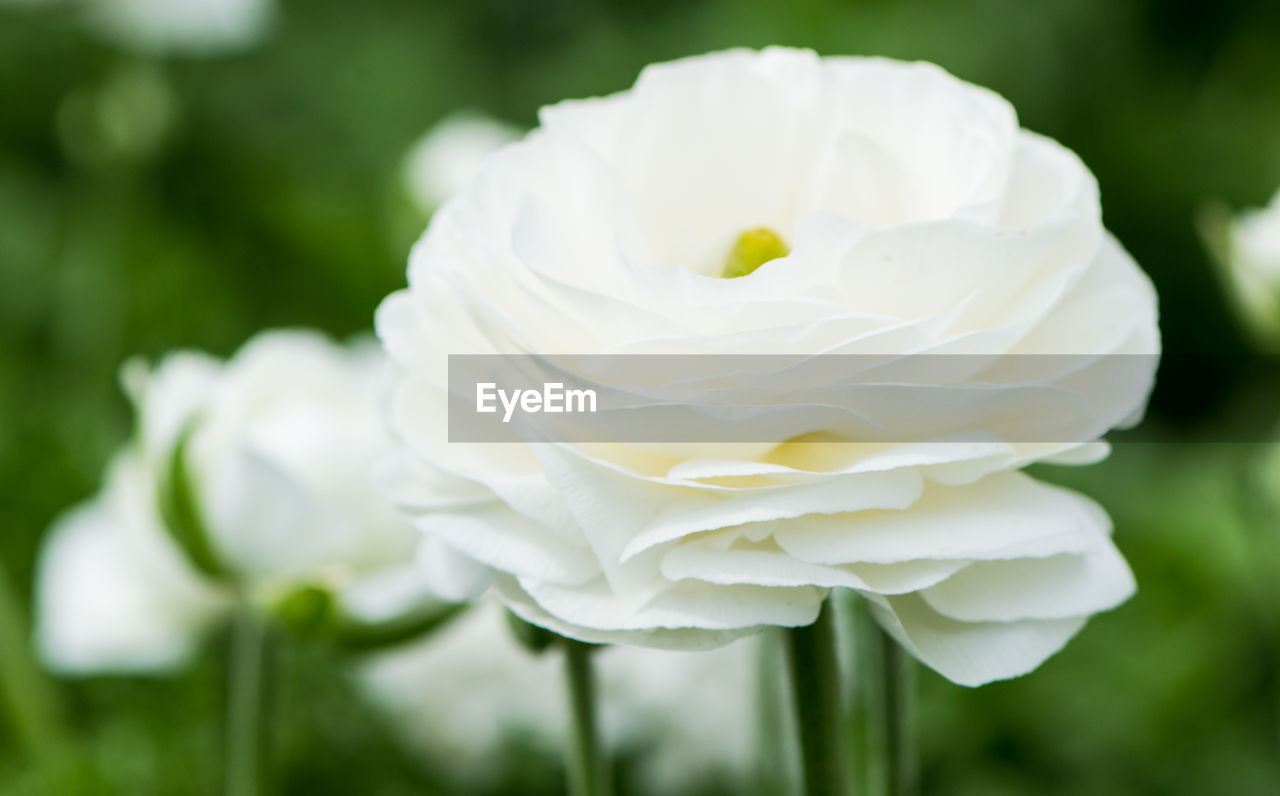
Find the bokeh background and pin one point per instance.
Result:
(264, 188)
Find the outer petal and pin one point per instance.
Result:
(496, 536)
(449, 574)
(678, 638)
(727, 558)
(972, 653)
(685, 604)
(1055, 587)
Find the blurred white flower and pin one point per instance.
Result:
(113, 594)
(449, 155)
(693, 714)
(187, 27)
(460, 695)
(260, 465)
(1250, 255)
(279, 443)
(901, 211)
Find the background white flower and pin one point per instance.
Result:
(458, 696)
(189, 27)
(913, 216)
(449, 155)
(276, 445)
(1250, 255)
(114, 595)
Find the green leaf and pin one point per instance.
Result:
(180, 510)
(353, 635)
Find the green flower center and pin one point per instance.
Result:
(752, 249)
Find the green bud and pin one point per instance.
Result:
(308, 612)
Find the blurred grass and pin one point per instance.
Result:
(275, 200)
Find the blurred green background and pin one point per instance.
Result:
(275, 198)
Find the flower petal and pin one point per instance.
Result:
(993, 518)
(972, 653)
(1054, 587)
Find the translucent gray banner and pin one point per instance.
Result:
(777, 398)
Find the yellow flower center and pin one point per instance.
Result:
(752, 249)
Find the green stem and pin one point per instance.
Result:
(861, 698)
(26, 691)
(774, 756)
(896, 677)
(244, 704)
(588, 769)
(815, 691)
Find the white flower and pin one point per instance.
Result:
(1252, 263)
(913, 216)
(281, 439)
(270, 454)
(113, 594)
(449, 155)
(458, 696)
(191, 27)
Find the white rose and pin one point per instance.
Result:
(912, 215)
(458, 696)
(448, 156)
(1252, 262)
(274, 449)
(192, 27)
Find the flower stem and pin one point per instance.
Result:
(27, 693)
(815, 691)
(858, 624)
(775, 757)
(588, 769)
(244, 704)
(895, 674)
